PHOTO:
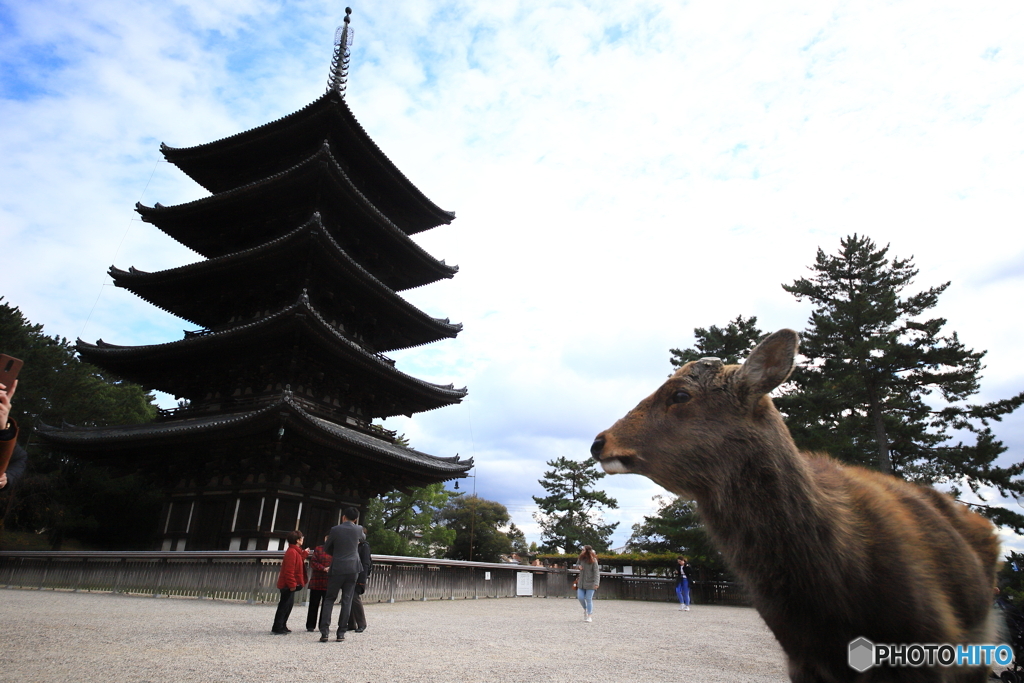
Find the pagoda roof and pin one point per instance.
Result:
(265, 209)
(278, 269)
(245, 157)
(285, 412)
(160, 366)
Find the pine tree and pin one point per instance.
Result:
(478, 525)
(518, 540)
(676, 528)
(882, 386)
(55, 386)
(406, 523)
(731, 343)
(568, 515)
(64, 496)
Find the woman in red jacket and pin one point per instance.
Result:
(290, 581)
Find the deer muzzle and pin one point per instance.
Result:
(612, 459)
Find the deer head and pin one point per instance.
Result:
(696, 430)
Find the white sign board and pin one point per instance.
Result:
(524, 583)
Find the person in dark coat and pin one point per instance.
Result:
(683, 578)
(320, 563)
(343, 546)
(10, 452)
(357, 622)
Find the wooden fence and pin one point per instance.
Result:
(252, 577)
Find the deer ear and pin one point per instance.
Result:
(770, 363)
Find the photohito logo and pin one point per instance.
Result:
(864, 654)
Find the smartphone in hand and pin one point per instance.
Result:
(9, 368)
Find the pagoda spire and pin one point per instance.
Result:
(338, 80)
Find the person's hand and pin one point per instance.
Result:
(3, 480)
(6, 395)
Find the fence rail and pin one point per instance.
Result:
(252, 577)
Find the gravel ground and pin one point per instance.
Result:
(89, 637)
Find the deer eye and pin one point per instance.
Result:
(679, 397)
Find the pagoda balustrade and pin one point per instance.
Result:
(252, 577)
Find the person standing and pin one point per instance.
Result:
(357, 622)
(290, 581)
(320, 562)
(683, 583)
(342, 545)
(588, 581)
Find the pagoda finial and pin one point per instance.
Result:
(339, 65)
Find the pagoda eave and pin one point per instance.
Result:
(153, 365)
(201, 224)
(226, 163)
(281, 266)
(107, 443)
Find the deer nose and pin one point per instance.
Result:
(597, 447)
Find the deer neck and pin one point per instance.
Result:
(771, 518)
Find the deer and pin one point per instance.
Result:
(829, 553)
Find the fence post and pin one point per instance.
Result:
(255, 581)
(81, 575)
(203, 589)
(117, 575)
(392, 581)
(46, 569)
(161, 565)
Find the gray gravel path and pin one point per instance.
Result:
(90, 637)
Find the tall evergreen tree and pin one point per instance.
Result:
(569, 515)
(676, 528)
(477, 523)
(731, 343)
(55, 386)
(518, 540)
(59, 495)
(882, 385)
(409, 523)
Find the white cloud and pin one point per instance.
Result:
(622, 173)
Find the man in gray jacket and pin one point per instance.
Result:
(343, 545)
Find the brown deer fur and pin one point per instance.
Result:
(829, 553)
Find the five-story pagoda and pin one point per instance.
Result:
(306, 239)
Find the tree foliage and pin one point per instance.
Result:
(518, 540)
(64, 498)
(731, 344)
(478, 525)
(881, 385)
(60, 495)
(569, 515)
(642, 564)
(409, 523)
(1011, 580)
(676, 528)
(55, 386)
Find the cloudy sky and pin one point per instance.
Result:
(621, 174)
